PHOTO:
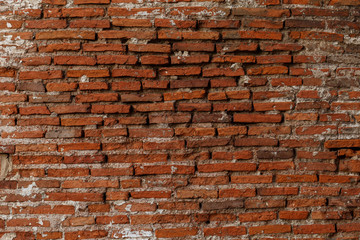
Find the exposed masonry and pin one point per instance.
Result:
(125, 119)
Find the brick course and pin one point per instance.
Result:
(179, 119)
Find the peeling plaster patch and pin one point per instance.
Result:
(353, 40)
(128, 233)
(21, 4)
(8, 236)
(10, 48)
(246, 3)
(5, 165)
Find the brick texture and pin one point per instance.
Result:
(203, 119)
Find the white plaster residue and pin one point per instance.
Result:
(211, 13)
(28, 190)
(319, 73)
(145, 13)
(235, 66)
(128, 208)
(8, 25)
(130, 6)
(84, 78)
(128, 233)
(40, 222)
(173, 169)
(181, 54)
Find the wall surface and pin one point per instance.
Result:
(203, 119)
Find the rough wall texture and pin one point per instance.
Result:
(181, 119)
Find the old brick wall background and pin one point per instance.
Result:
(203, 119)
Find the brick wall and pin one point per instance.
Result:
(221, 119)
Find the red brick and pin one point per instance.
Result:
(173, 23)
(35, 148)
(348, 227)
(196, 47)
(83, 184)
(82, 12)
(40, 75)
(154, 59)
(40, 110)
(344, 3)
(161, 48)
(115, 34)
(74, 60)
(190, 59)
(236, 47)
(219, 23)
(267, 70)
(135, 11)
(310, 35)
(280, 47)
(257, 216)
(270, 229)
(116, 59)
(225, 231)
(278, 191)
(199, 193)
(79, 146)
(219, 167)
(158, 132)
(257, 23)
(131, 22)
(237, 193)
(255, 118)
(97, 97)
(65, 35)
(251, 35)
(176, 232)
(151, 194)
(126, 86)
(90, 24)
(320, 191)
(202, 11)
(229, 72)
(21, 222)
(80, 2)
(154, 107)
(314, 229)
(119, 219)
(81, 197)
(139, 73)
(101, 47)
(85, 234)
(164, 145)
(96, 108)
(261, 12)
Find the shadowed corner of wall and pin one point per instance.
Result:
(5, 165)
